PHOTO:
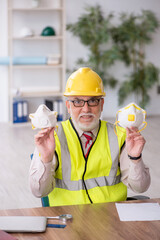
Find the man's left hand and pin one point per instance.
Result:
(134, 142)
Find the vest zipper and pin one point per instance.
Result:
(85, 162)
(86, 159)
(84, 180)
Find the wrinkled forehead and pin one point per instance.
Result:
(82, 97)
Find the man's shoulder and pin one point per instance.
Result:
(61, 123)
(119, 131)
(107, 123)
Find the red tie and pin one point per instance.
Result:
(89, 141)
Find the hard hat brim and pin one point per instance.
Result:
(74, 93)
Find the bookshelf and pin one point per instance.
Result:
(36, 65)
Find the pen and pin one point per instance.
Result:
(56, 225)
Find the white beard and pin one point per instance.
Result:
(83, 126)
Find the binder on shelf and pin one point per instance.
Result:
(29, 60)
(58, 108)
(56, 105)
(20, 111)
(49, 104)
(17, 112)
(60, 113)
(32, 60)
(25, 111)
(4, 60)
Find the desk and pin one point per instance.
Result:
(96, 221)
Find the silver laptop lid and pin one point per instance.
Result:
(23, 223)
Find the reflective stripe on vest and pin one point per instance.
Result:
(92, 182)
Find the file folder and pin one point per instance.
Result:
(20, 111)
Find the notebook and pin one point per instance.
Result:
(23, 223)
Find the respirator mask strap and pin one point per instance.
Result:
(116, 125)
(120, 128)
(143, 127)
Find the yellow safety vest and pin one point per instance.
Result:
(95, 179)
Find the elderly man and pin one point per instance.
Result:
(85, 162)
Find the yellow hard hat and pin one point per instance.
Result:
(84, 82)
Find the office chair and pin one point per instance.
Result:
(44, 200)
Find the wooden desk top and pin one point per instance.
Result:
(97, 221)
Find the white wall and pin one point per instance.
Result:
(74, 49)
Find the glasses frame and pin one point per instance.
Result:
(86, 101)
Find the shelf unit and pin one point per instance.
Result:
(36, 82)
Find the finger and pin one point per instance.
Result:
(40, 136)
(140, 139)
(134, 134)
(128, 130)
(43, 134)
(51, 134)
(44, 130)
(52, 130)
(38, 140)
(134, 129)
(131, 130)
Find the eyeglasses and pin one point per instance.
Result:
(80, 102)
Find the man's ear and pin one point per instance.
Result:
(102, 103)
(68, 106)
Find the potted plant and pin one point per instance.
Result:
(131, 36)
(93, 29)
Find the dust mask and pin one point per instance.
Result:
(131, 116)
(43, 117)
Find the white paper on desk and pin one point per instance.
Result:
(138, 211)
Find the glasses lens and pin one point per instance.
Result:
(93, 102)
(78, 103)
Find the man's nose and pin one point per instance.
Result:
(86, 107)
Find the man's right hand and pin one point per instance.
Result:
(45, 143)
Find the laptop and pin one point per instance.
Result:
(23, 223)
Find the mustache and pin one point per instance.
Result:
(86, 114)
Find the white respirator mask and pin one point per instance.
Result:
(131, 116)
(43, 118)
